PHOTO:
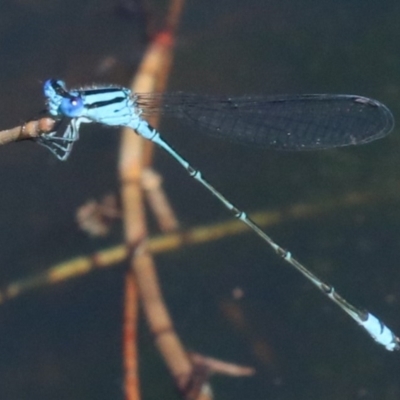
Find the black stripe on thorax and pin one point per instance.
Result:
(104, 103)
(89, 92)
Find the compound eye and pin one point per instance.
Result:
(72, 106)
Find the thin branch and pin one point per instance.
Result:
(130, 355)
(108, 258)
(135, 155)
(215, 366)
(29, 130)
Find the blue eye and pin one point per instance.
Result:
(72, 106)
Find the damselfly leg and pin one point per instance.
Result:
(61, 140)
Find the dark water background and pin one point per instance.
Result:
(64, 342)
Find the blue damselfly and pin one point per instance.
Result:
(287, 122)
